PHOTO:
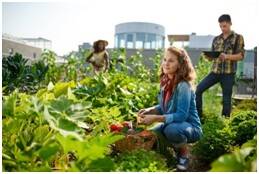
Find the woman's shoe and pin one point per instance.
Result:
(183, 163)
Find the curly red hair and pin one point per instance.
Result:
(186, 71)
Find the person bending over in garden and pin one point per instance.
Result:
(99, 58)
(176, 113)
(224, 68)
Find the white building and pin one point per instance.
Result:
(39, 42)
(139, 35)
(200, 41)
(12, 45)
(192, 41)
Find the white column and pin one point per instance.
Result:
(145, 40)
(134, 40)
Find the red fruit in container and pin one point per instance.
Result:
(119, 127)
(115, 128)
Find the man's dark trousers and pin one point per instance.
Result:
(226, 83)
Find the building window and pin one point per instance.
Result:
(159, 42)
(140, 40)
(150, 42)
(121, 40)
(129, 41)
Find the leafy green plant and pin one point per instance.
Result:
(137, 69)
(221, 135)
(140, 161)
(39, 70)
(49, 58)
(71, 68)
(241, 160)
(244, 124)
(89, 152)
(29, 118)
(17, 73)
(245, 105)
(216, 140)
(28, 143)
(64, 126)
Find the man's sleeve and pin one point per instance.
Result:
(213, 42)
(240, 45)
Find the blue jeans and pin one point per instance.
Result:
(226, 83)
(178, 133)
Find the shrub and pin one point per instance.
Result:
(220, 135)
(140, 161)
(243, 124)
(18, 74)
(241, 160)
(216, 140)
(245, 105)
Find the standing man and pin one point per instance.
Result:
(224, 67)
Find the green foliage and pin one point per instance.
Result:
(241, 160)
(117, 89)
(70, 112)
(244, 125)
(64, 126)
(27, 146)
(202, 69)
(216, 140)
(49, 58)
(137, 68)
(222, 134)
(90, 152)
(140, 161)
(245, 105)
(18, 74)
(118, 60)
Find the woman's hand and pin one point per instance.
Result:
(147, 119)
(143, 111)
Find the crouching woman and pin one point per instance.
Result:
(176, 113)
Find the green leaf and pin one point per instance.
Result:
(81, 106)
(89, 149)
(62, 104)
(125, 91)
(54, 125)
(67, 125)
(101, 165)
(69, 143)
(62, 88)
(40, 133)
(70, 95)
(48, 151)
(114, 111)
(227, 163)
(9, 104)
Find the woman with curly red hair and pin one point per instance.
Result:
(176, 112)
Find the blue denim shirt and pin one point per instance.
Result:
(181, 107)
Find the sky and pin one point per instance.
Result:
(70, 23)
